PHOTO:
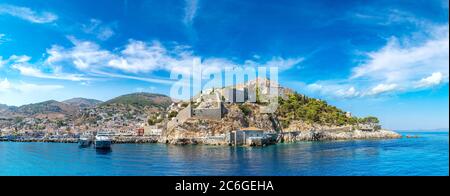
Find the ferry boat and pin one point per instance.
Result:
(85, 140)
(103, 140)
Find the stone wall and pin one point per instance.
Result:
(236, 138)
(184, 114)
(215, 140)
(233, 95)
(336, 135)
(208, 113)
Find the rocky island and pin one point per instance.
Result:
(211, 116)
(218, 116)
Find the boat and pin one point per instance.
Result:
(103, 140)
(85, 140)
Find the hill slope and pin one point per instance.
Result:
(82, 102)
(124, 112)
(46, 107)
(141, 100)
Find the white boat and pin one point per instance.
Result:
(85, 140)
(103, 140)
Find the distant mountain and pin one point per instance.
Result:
(3, 107)
(6, 111)
(68, 107)
(141, 100)
(82, 102)
(124, 111)
(47, 107)
(74, 106)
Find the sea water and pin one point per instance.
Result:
(426, 155)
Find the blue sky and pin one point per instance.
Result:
(385, 58)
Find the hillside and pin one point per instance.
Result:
(46, 107)
(140, 100)
(82, 102)
(7, 111)
(124, 112)
(297, 107)
(5, 108)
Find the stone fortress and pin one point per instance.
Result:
(209, 103)
(214, 116)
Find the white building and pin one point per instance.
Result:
(152, 131)
(245, 136)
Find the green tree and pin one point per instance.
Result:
(60, 123)
(300, 107)
(245, 109)
(173, 114)
(151, 121)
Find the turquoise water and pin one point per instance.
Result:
(426, 155)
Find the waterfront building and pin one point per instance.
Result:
(152, 130)
(140, 132)
(246, 136)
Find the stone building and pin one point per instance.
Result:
(246, 136)
(154, 130)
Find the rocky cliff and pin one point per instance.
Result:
(194, 129)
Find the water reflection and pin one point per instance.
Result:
(103, 151)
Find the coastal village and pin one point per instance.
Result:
(235, 116)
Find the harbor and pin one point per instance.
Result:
(115, 139)
(249, 136)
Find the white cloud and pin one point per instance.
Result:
(142, 57)
(350, 92)
(145, 79)
(138, 57)
(382, 88)
(334, 89)
(5, 85)
(385, 16)
(97, 28)
(435, 79)
(283, 64)
(19, 59)
(21, 64)
(28, 14)
(3, 38)
(34, 72)
(397, 63)
(83, 55)
(190, 10)
(13, 59)
(402, 65)
(23, 87)
(28, 87)
(2, 62)
(347, 90)
(406, 62)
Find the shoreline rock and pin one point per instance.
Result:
(344, 135)
(287, 137)
(134, 140)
